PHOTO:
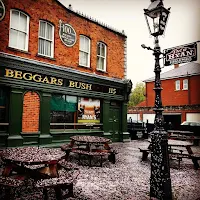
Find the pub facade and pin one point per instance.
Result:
(61, 75)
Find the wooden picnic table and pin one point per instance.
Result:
(33, 162)
(177, 149)
(183, 135)
(27, 156)
(90, 146)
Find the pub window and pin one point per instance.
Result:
(46, 39)
(101, 56)
(70, 112)
(88, 110)
(63, 110)
(177, 85)
(3, 109)
(84, 51)
(185, 84)
(19, 30)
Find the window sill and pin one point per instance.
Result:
(184, 89)
(18, 50)
(98, 70)
(30, 133)
(82, 66)
(42, 56)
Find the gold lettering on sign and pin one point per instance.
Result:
(18, 74)
(80, 85)
(112, 91)
(60, 82)
(27, 76)
(9, 73)
(35, 77)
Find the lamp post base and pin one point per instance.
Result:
(160, 182)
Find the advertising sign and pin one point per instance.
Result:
(67, 34)
(2, 10)
(180, 54)
(88, 110)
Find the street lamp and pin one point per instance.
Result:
(160, 183)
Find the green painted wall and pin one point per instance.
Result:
(15, 117)
(45, 137)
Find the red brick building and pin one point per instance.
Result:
(180, 96)
(54, 60)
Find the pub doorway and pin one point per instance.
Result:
(114, 123)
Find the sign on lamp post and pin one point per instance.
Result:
(180, 54)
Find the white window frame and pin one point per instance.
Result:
(82, 50)
(102, 45)
(19, 31)
(177, 85)
(185, 84)
(46, 39)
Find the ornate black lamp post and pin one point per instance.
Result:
(160, 183)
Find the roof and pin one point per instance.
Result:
(189, 69)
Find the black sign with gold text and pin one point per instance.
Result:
(7, 72)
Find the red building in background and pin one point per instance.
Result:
(180, 96)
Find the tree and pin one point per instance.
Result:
(137, 95)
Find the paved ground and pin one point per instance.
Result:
(128, 179)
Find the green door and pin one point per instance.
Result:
(114, 124)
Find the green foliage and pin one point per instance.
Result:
(137, 95)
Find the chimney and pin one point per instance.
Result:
(176, 66)
(70, 7)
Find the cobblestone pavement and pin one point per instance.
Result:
(127, 179)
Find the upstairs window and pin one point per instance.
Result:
(46, 39)
(177, 85)
(185, 84)
(84, 51)
(19, 30)
(101, 56)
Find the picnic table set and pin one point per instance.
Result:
(179, 146)
(50, 168)
(44, 165)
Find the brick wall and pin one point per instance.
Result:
(172, 97)
(195, 89)
(52, 11)
(31, 109)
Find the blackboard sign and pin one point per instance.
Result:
(67, 34)
(2, 10)
(180, 54)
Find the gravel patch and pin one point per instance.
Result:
(127, 179)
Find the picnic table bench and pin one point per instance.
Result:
(39, 164)
(90, 146)
(176, 153)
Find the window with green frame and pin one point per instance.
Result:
(63, 108)
(3, 109)
(65, 113)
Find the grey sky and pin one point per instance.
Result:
(183, 27)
